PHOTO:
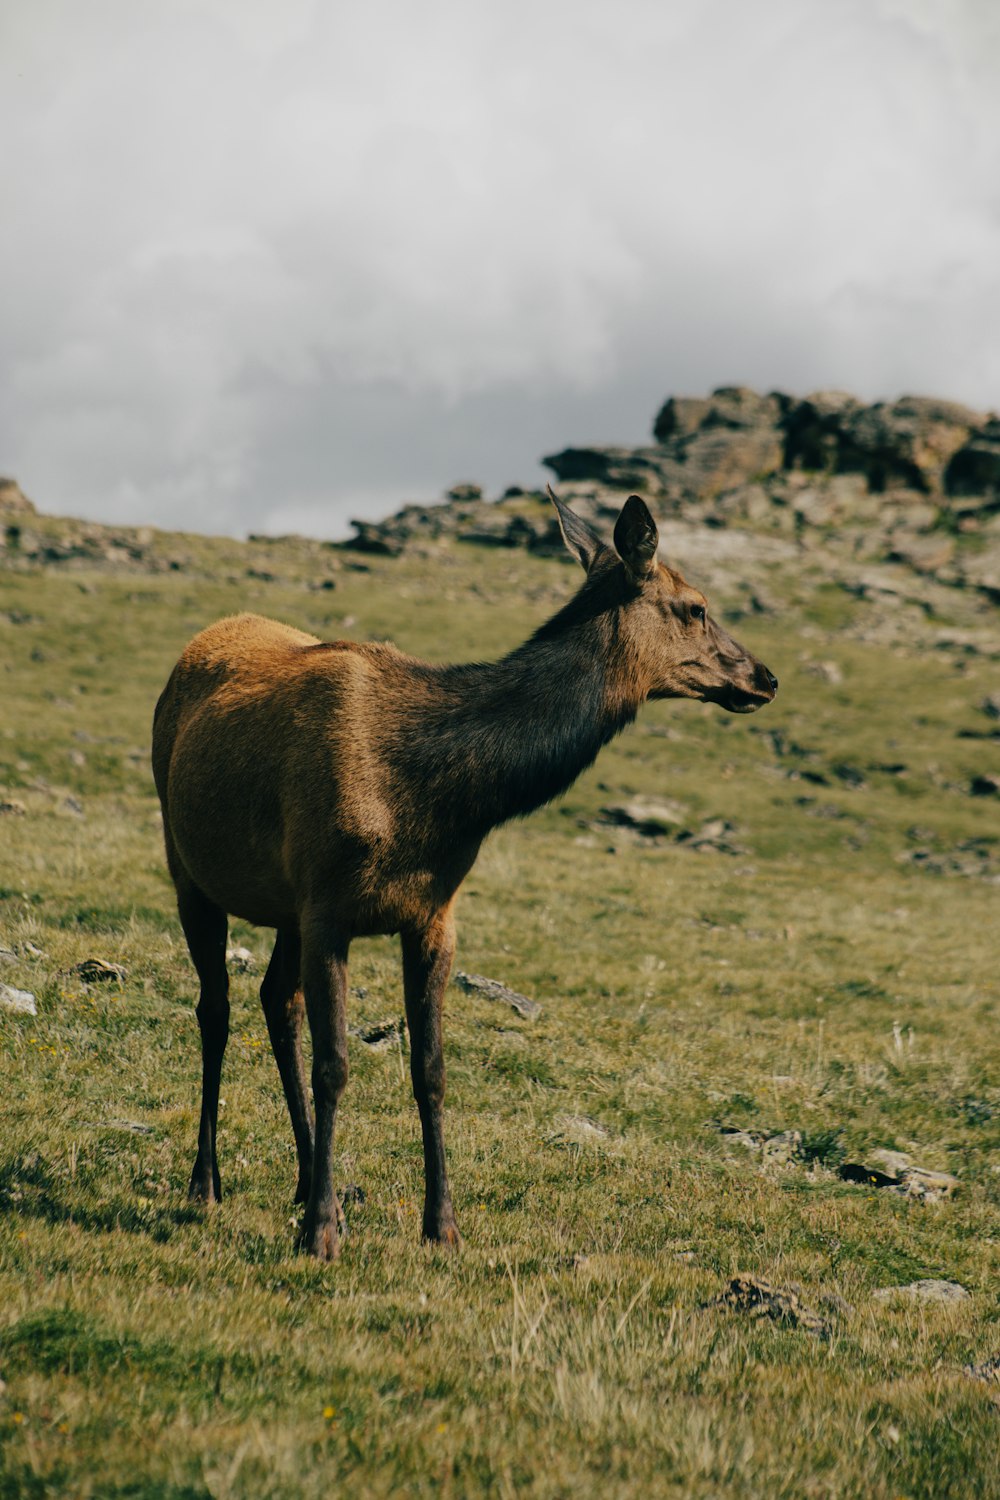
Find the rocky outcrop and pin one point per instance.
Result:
(521, 519)
(913, 482)
(13, 500)
(708, 445)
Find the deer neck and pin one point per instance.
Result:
(508, 736)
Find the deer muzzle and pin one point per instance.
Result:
(744, 695)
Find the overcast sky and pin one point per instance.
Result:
(267, 264)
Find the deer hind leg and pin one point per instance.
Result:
(324, 975)
(427, 960)
(284, 1008)
(205, 926)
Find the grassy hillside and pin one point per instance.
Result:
(834, 976)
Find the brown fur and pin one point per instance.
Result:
(334, 790)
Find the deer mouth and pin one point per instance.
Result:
(738, 700)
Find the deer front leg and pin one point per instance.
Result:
(427, 959)
(324, 975)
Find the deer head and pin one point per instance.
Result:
(673, 646)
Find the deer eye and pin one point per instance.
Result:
(698, 612)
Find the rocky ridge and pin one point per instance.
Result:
(877, 494)
(914, 481)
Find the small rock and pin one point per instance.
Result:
(984, 786)
(753, 1140)
(893, 1162)
(99, 971)
(715, 835)
(241, 960)
(492, 989)
(929, 1187)
(11, 807)
(22, 1001)
(382, 1035)
(73, 805)
(649, 816)
(760, 1299)
(988, 1371)
(784, 1147)
(826, 671)
(352, 1194)
(991, 706)
(930, 1290)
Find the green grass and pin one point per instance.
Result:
(818, 982)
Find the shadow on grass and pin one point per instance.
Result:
(29, 1190)
(62, 1341)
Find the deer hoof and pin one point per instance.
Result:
(321, 1240)
(205, 1187)
(444, 1235)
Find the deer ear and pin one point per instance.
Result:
(636, 537)
(582, 540)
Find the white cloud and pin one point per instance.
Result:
(273, 258)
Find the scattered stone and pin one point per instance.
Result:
(715, 835)
(850, 775)
(826, 671)
(648, 816)
(7, 956)
(779, 1148)
(975, 858)
(11, 807)
(99, 971)
(783, 1148)
(22, 1001)
(984, 786)
(893, 1162)
(131, 1127)
(924, 554)
(753, 1140)
(380, 1036)
(73, 805)
(241, 960)
(837, 1304)
(929, 1187)
(988, 1370)
(930, 1290)
(759, 1299)
(991, 706)
(492, 989)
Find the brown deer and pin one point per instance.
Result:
(334, 790)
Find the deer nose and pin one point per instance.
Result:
(772, 680)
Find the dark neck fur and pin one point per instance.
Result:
(494, 741)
